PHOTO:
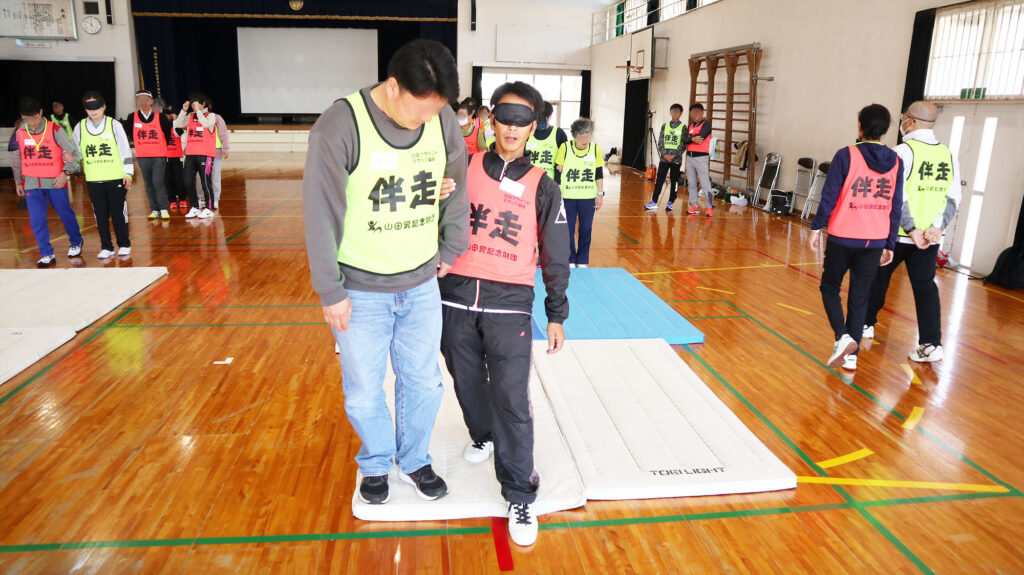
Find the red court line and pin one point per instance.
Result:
(501, 545)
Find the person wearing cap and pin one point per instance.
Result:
(151, 131)
(579, 169)
(108, 167)
(378, 235)
(487, 338)
(45, 157)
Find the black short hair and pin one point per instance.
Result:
(697, 106)
(468, 103)
(55, 102)
(29, 106)
(201, 98)
(874, 121)
(93, 95)
(425, 67)
(548, 110)
(676, 107)
(524, 91)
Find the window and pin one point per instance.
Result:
(563, 90)
(978, 52)
(631, 15)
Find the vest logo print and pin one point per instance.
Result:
(380, 161)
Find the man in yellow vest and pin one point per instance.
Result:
(378, 235)
(516, 211)
(932, 194)
(545, 141)
(670, 143)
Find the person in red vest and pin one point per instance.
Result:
(200, 151)
(151, 133)
(487, 334)
(177, 195)
(697, 140)
(470, 131)
(861, 203)
(45, 157)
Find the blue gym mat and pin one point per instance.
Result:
(609, 303)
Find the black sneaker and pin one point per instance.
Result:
(428, 485)
(374, 490)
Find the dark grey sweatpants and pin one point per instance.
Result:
(153, 175)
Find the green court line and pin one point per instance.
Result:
(620, 232)
(688, 317)
(364, 535)
(46, 369)
(257, 220)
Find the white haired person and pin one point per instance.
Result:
(579, 169)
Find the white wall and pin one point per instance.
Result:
(114, 42)
(548, 33)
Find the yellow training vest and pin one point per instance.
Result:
(579, 173)
(101, 160)
(542, 152)
(392, 209)
(928, 182)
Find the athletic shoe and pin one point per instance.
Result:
(216, 205)
(124, 251)
(428, 485)
(572, 266)
(844, 347)
(692, 211)
(193, 213)
(75, 251)
(850, 362)
(174, 207)
(374, 490)
(868, 333)
(707, 212)
(522, 524)
(478, 452)
(165, 215)
(104, 254)
(206, 213)
(651, 206)
(668, 207)
(927, 353)
(46, 261)
(154, 215)
(581, 265)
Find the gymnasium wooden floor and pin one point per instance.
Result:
(128, 451)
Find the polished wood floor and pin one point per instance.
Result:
(128, 451)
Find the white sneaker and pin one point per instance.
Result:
(205, 214)
(927, 353)
(478, 452)
(572, 266)
(844, 347)
(868, 333)
(125, 251)
(581, 265)
(104, 254)
(75, 251)
(165, 215)
(154, 215)
(193, 213)
(850, 362)
(522, 524)
(216, 205)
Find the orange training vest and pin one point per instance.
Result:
(201, 142)
(865, 201)
(503, 226)
(704, 146)
(41, 158)
(150, 141)
(471, 143)
(174, 148)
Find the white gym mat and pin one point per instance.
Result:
(641, 424)
(472, 489)
(40, 310)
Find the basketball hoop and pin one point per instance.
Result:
(628, 68)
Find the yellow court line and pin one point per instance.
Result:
(998, 292)
(794, 308)
(59, 238)
(717, 290)
(758, 267)
(859, 454)
(915, 417)
(908, 484)
(914, 380)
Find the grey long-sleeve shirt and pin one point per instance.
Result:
(333, 147)
(66, 144)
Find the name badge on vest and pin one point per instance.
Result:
(531, 145)
(199, 129)
(138, 125)
(383, 161)
(512, 187)
(106, 136)
(29, 142)
(589, 159)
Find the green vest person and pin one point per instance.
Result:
(381, 227)
(670, 143)
(931, 195)
(61, 118)
(544, 143)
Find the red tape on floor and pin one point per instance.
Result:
(501, 545)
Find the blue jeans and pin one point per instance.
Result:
(37, 202)
(583, 211)
(408, 325)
